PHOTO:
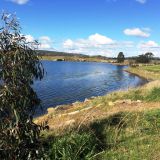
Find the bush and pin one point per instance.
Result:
(19, 67)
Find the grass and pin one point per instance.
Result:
(148, 72)
(154, 68)
(137, 139)
(124, 135)
(73, 146)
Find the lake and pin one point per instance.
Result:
(67, 82)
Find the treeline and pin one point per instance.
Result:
(143, 58)
(56, 53)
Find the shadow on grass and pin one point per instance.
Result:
(104, 131)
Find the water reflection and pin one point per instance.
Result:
(67, 82)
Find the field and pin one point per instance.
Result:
(151, 72)
(154, 68)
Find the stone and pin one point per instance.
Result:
(86, 100)
(50, 110)
(139, 101)
(75, 103)
(110, 103)
(119, 102)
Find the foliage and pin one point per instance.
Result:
(19, 136)
(120, 57)
(149, 55)
(144, 58)
(73, 146)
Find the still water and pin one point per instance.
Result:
(67, 82)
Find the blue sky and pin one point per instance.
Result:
(92, 27)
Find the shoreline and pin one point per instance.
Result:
(66, 117)
(71, 105)
(78, 114)
(54, 59)
(140, 76)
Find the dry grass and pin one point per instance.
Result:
(145, 73)
(83, 113)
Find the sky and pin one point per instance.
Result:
(93, 27)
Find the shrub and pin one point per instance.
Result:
(19, 66)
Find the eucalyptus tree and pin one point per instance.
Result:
(19, 67)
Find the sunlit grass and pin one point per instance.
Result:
(154, 68)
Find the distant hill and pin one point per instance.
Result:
(64, 54)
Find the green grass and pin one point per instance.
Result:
(154, 95)
(132, 136)
(155, 68)
(147, 72)
(74, 146)
(123, 136)
(138, 139)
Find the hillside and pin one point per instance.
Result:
(63, 56)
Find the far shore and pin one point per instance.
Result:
(78, 59)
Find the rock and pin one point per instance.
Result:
(93, 97)
(128, 101)
(139, 101)
(110, 103)
(50, 110)
(119, 101)
(86, 100)
(75, 103)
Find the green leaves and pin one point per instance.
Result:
(19, 66)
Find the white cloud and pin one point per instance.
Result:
(68, 43)
(20, 2)
(29, 38)
(94, 40)
(45, 42)
(142, 1)
(137, 32)
(149, 44)
(96, 44)
(100, 39)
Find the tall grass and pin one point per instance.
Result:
(73, 146)
(122, 136)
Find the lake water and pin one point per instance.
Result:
(67, 82)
